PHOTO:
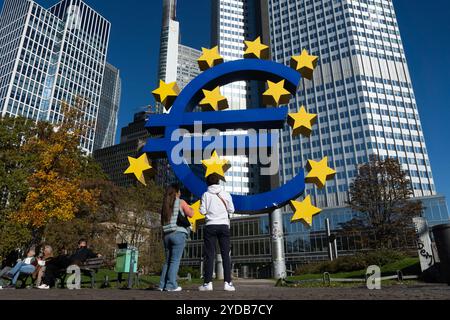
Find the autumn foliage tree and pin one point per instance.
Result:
(381, 196)
(55, 186)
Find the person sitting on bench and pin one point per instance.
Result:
(26, 266)
(59, 263)
(43, 259)
(83, 253)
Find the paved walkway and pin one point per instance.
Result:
(247, 290)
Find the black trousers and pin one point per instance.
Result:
(53, 269)
(212, 234)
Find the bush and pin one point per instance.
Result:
(356, 262)
(195, 273)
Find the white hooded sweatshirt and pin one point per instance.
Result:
(214, 209)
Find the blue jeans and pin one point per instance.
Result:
(19, 269)
(174, 244)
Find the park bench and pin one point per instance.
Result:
(88, 268)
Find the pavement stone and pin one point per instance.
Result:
(246, 291)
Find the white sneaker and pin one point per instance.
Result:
(229, 287)
(175, 290)
(44, 287)
(206, 287)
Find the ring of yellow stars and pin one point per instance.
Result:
(210, 58)
(198, 217)
(319, 173)
(276, 94)
(304, 211)
(302, 122)
(256, 50)
(305, 64)
(138, 167)
(166, 94)
(216, 165)
(213, 101)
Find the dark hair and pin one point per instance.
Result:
(168, 203)
(212, 179)
(81, 241)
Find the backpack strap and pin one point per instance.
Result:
(172, 226)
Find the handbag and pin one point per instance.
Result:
(182, 221)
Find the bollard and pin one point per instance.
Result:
(219, 268)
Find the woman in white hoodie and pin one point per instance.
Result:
(217, 205)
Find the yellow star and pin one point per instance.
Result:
(256, 50)
(166, 94)
(305, 64)
(304, 211)
(216, 165)
(319, 173)
(302, 122)
(276, 94)
(198, 217)
(138, 167)
(213, 101)
(210, 58)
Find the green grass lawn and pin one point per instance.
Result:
(145, 281)
(408, 266)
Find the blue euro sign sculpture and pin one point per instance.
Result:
(182, 116)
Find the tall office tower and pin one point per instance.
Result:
(177, 62)
(52, 55)
(108, 113)
(362, 92)
(233, 22)
(114, 159)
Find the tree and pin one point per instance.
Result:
(381, 197)
(138, 212)
(88, 224)
(55, 187)
(15, 166)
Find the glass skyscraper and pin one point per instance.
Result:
(233, 22)
(364, 98)
(52, 55)
(362, 92)
(177, 63)
(108, 113)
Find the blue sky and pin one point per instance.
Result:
(424, 25)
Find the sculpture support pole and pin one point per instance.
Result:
(330, 243)
(278, 257)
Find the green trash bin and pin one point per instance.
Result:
(123, 260)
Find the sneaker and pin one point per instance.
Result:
(44, 287)
(175, 290)
(229, 287)
(206, 287)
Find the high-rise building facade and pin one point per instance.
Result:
(108, 113)
(114, 159)
(49, 56)
(364, 98)
(177, 63)
(233, 22)
(361, 91)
